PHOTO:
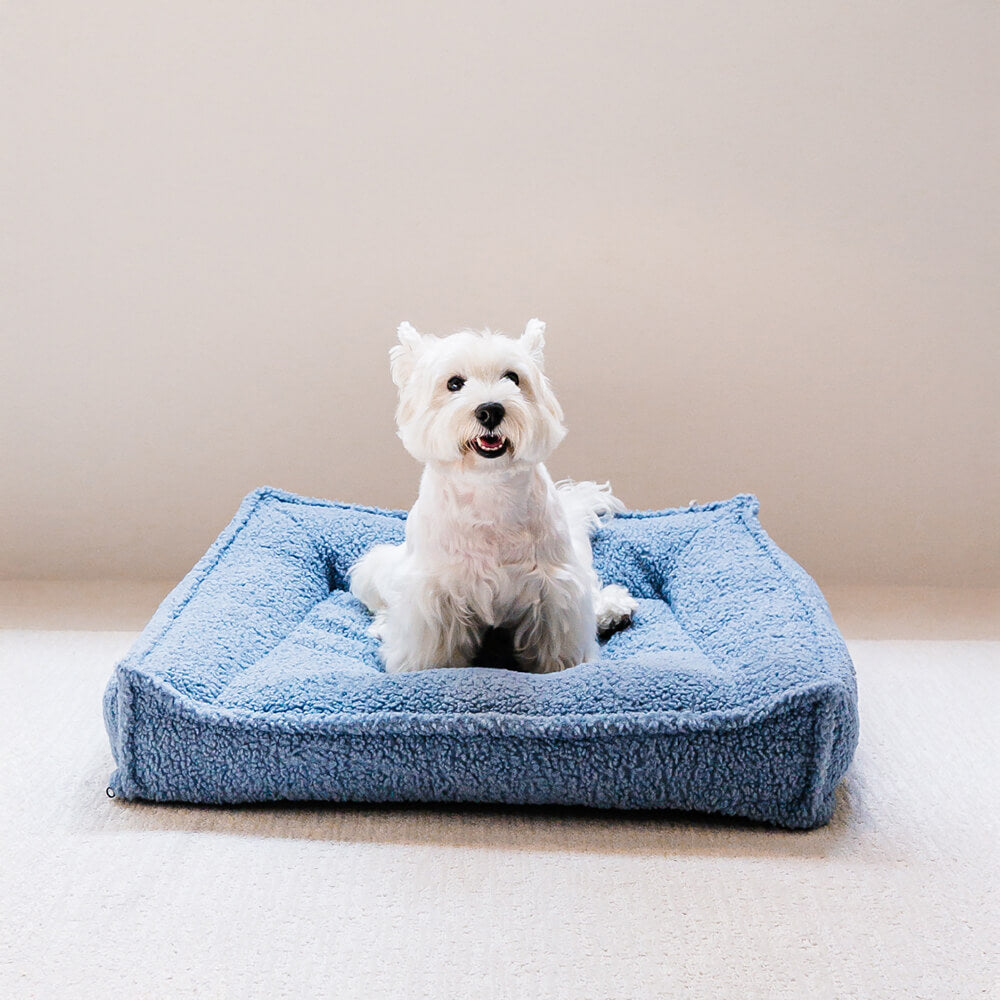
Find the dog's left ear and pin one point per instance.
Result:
(533, 340)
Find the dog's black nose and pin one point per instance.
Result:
(490, 414)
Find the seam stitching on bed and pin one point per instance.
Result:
(812, 798)
(126, 725)
(740, 501)
(807, 615)
(787, 701)
(691, 634)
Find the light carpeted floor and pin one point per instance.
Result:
(898, 897)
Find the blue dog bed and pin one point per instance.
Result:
(732, 691)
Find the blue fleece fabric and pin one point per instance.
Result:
(732, 692)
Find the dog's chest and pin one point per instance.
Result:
(491, 531)
(494, 570)
(480, 540)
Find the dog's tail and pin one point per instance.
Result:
(588, 505)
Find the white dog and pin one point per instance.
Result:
(491, 542)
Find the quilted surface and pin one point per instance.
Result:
(732, 692)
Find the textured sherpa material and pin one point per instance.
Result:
(732, 692)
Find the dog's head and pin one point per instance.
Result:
(479, 400)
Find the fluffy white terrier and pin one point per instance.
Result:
(491, 542)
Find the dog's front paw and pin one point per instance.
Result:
(377, 628)
(614, 607)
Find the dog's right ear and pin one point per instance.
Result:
(403, 357)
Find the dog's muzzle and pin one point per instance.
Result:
(492, 444)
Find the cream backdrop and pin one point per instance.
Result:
(764, 237)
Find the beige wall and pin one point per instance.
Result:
(764, 237)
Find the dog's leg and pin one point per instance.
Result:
(587, 506)
(425, 628)
(557, 630)
(372, 576)
(377, 628)
(614, 607)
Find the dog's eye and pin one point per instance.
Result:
(513, 377)
(455, 383)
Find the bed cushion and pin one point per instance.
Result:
(731, 693)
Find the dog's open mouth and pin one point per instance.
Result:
(490, 445)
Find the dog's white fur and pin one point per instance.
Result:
(491, 542)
